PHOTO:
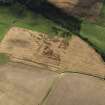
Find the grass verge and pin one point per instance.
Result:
(94, 34)
(3, 58)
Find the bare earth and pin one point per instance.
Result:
(50, 71)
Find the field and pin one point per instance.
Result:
(101, 19)
(24, 85)
(44, 56)
(92, 32)
(28, 20)
(95, 35)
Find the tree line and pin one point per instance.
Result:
(25, 2)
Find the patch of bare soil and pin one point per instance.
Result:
(84, 8)
(35, 48)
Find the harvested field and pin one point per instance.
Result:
(22, 84)
(74, 89)
(35, 48)
(85, 8)
(50, 71)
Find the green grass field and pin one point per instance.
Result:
(3, 29)
(94, 34)
(101, 19)
(3, 58)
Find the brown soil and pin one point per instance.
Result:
(84, 8)
(56, 54)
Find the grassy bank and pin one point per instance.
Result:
(94, 34)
